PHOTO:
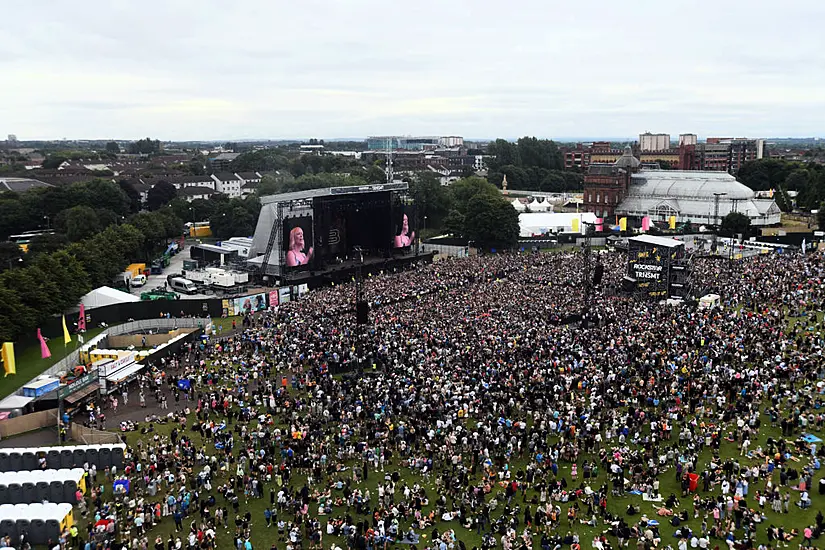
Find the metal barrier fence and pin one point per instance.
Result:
(91, 436)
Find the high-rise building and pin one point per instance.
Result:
(12, 138)
(687, 139)
(654, 142)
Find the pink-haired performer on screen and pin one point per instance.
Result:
(404, 238)
(295, 256)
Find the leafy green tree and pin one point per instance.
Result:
(491, 222)
(161, 194)
(10, 255)
(47, 244)
(54, 161)
(820, 216)
(81, 222)
(431, 198)
(266, 160)
(375, 175)
(464, 190)
(454, 223)
(152, 229)
(16, 318)
(734, 223)
(112, 147)
(132, 194)
(783, 200)
(144, 146)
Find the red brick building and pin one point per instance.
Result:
(606, 185)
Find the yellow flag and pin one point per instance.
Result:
(8, 358)
(622, 224)
(575, 225)
(673, 222)
(67, 338)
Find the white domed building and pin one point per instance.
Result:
(691, 196)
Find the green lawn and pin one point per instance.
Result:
(29, 363)
(263, 538)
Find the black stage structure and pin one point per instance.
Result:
(323, 236)
(658, 268)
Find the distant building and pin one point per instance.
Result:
(21, 185)
(312, 149)
(721, 154)
(654, 142)
(12, 139)
(412, 143)
(451, 141)
(227, 183)
(605, 185)
(192, 193)
(690, 197)
(687, 139)
(222, 161)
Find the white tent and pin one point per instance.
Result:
(536, 206)
(518, 205)
(542, 223)
(105, 296)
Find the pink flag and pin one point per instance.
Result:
(81, 321)
(44, 349)
(599, 224)
(646, 223)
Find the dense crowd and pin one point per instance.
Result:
(471, 414)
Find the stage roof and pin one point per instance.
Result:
(330, 191)
(657, 241)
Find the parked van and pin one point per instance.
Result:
(138, 280)
(179, 284)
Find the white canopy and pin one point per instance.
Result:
(542, 223)
(536, 206)
(105, 296)
(518, 205)
(15, 402)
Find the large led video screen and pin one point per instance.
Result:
(403, 230)
(298, 243)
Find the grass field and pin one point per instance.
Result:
(30, 364)
(264, 538)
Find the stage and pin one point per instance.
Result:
(345, 270)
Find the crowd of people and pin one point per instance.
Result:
(470, 413)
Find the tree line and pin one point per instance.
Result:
(56, 273)
(807, 179)
(531, 164)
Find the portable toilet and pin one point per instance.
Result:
(55, 491)
(66, 457)
(43, 491)
(105, 457)
(118, 455)
(37, 524)
(92, 455)
(29, 492)
(8, 521)
(15, 460)
(29, 460)
(79, 457)
(53, 458)
(4, 460)
(15, 493)
(4, 494)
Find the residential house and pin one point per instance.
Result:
(227, 183)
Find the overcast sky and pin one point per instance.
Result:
(177, 70)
